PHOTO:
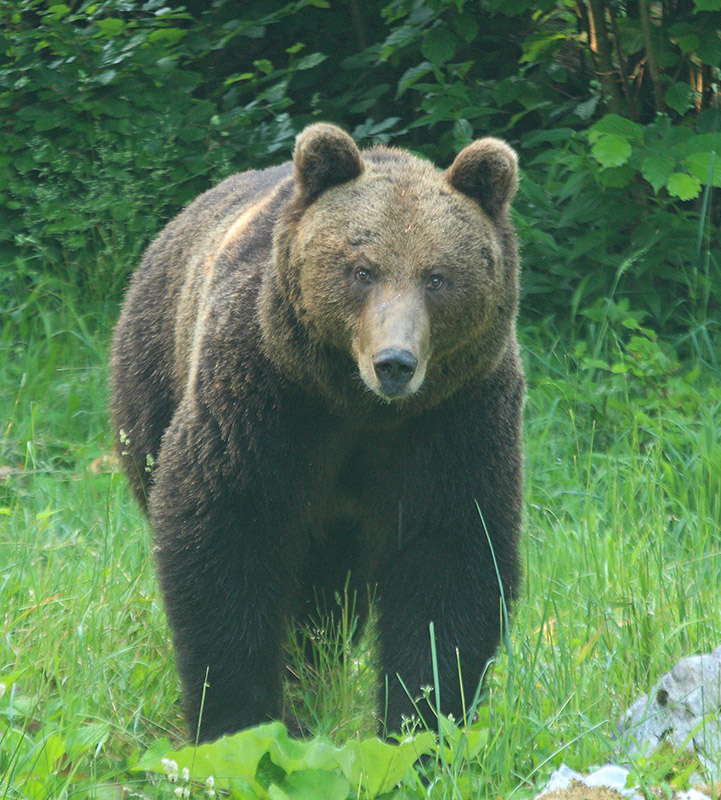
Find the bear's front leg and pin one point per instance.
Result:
(447, 576)
(226, 594)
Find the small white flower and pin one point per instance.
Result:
(171, 769)
(185, 774)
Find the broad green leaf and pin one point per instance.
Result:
(462, 132)
(707, 5)
(410, 76)
(376, 767)
(680, 98)
(617, 177)
(294, 754)
(438, 46)
(372, 764)
(699, 165)
(657, 169)
(59, 10)
(611, 150)
(311, 784)
(263, 65)
(111, 27)
(684, 186)
(311, 60)
(463, 743)
(466, 27)
(169, 35)
(234, 756)
(541, 45)
(586, 109)
(617, 126)
(709, 51)
(689, 43)
(704, 142)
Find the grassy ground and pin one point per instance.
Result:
(622, 549)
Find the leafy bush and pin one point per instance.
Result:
(119, 113)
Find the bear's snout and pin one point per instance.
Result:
(394, 369)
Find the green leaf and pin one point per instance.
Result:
(680, 97)
(236, 755)
(110, 27)
(707, 5)
(689, 43)
(656, 169)
(617, 177)
(376, 767)
(611, 150)
(169, 35)
(699, 165)
(466, 27)
(411, 75)
(541, 46)
(684, 186)
(59, 10)
(462, 132)
(263, 65)
(311, 784)
(617, 126)
(709, 51)
(438, 46)
(311, 60)
(371, 764)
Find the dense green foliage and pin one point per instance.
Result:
(118, 113)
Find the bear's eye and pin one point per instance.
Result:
(435, 282)
(362, 274)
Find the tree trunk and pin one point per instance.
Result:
(601, 50)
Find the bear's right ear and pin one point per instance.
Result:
(487, 171)
(324, 156)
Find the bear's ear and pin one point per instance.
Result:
(324, 156)
(487, 171)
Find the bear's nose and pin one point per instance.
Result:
(394, 369)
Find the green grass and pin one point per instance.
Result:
(622, 551)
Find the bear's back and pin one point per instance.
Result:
(225, 230)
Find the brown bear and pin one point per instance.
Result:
(316, 383)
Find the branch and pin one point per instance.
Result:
(602, 53)
(651, 56)
(632, 112)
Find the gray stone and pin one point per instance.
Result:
(683, 709)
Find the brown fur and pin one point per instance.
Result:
(320, 360)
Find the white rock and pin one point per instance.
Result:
(611, 775)
(561, 779)
(691, 794)
(681, 709)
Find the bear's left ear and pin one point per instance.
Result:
(324, 156)
(487, 171)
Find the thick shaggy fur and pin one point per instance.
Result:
(273, 454)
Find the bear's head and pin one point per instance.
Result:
(389, 270)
